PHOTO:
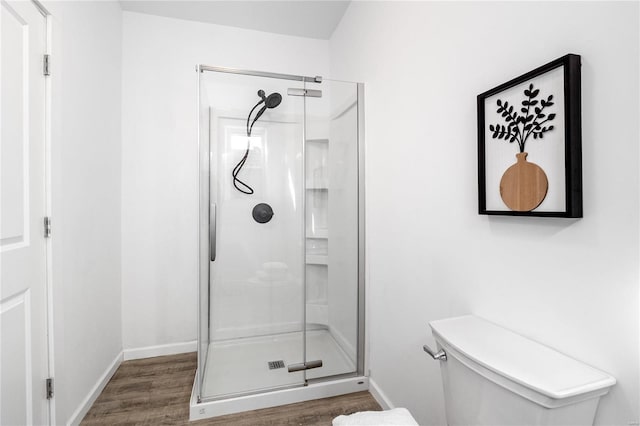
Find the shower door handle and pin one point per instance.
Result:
(304, 366)
(212, 231)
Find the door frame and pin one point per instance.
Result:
(48, 202)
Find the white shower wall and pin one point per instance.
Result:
(160, 158)
(258, 273)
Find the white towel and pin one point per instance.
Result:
(395, 417)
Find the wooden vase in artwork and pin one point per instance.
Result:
(524, 185)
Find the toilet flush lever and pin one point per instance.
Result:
(440, 356)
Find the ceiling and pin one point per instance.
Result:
(303, 18)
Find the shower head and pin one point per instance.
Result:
(271, 101)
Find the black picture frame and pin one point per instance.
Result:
(572, 136)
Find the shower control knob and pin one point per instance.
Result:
(262, 213)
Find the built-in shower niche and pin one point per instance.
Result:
(317, 221)
(317, 212)
(317, 187)
(317, 246)
(317, 153)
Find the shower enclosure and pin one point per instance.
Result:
(281, 240)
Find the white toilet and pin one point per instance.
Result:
(493, 376)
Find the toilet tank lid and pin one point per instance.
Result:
(520, 359)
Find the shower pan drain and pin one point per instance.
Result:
(275, 364)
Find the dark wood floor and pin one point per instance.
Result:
(156, 391)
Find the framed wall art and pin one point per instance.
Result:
(529, 143)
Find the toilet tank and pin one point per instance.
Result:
(493, 376)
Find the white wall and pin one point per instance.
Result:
(571, 284)
(86, 150)
(160, 158)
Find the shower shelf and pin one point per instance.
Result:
(318, 187)
(314, 259)
(318, 233)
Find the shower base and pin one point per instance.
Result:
(242, 365)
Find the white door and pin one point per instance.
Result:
(23, 289)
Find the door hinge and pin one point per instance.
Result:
(47, 227)
(49, 388)
(45, 64)
(310, 93)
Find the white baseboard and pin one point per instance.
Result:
(379, 396)
(160, 350)
(95, 392)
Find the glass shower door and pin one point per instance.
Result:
(252, 293)
(333, 232)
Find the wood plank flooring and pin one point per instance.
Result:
(156, 391)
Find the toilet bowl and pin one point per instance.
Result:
(493, 376)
